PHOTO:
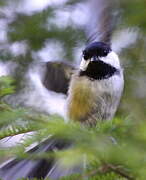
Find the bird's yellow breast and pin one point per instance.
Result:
(81, 98)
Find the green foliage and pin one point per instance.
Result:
(6, 85)
(31, 28)
(98, 145)
(134, 13)
(109, 176)
(103, 145)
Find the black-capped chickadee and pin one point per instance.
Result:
(96, 88)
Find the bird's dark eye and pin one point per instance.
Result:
(105, 52)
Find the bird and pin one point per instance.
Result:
(93, 93)
(95, 89)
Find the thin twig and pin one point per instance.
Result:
(121, 172)
(118, 170)
(107, 168)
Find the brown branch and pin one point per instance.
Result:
(107, 168)
(116, 169)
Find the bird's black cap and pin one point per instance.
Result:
(98, 49)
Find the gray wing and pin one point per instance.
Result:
(102, 20)
(57, 76)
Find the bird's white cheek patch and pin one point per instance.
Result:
(84, 64)
(112, 59)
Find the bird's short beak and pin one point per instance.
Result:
(84, 64)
